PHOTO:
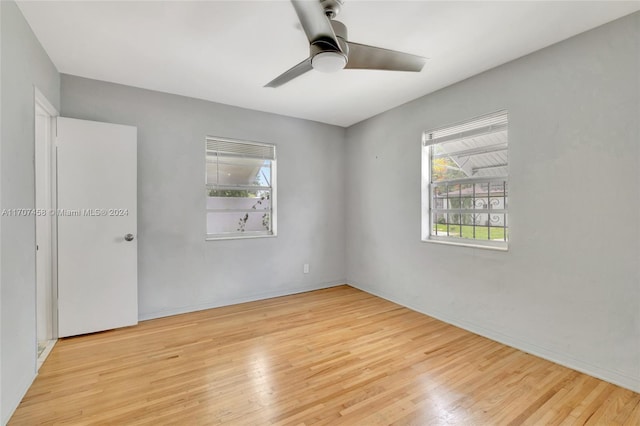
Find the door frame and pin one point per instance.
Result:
(42, 104)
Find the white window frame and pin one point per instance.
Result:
(458, 132)
(273, 191)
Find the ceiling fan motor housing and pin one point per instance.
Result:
(340, 31)
(331, 7)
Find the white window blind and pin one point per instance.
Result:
(223, 147)
(491, 123)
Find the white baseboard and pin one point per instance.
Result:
(612, 376)
(235, 301)
(45, 354)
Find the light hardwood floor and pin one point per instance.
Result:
(335, 356)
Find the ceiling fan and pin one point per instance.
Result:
(330, 51)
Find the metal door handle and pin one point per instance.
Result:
(128, 237)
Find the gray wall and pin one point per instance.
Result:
(23, 64)
(178, 270)
(568, 289)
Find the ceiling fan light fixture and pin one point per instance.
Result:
(330, 50)
(329, 61)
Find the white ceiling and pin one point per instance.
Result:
(226, 51)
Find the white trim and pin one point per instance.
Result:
(272, 188)
(427, 185)
(425, 181)
(238, 237)
(43, 104)
(274, 194)
(616, 377)
(2, 419)
(45, 354)
(470, 244)
(41, 100)
(234, 301)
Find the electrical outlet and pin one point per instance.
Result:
(306, 268)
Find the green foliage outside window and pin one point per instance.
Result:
(242, 193)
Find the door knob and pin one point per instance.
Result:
(128, 237)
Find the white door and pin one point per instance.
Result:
(97, 226)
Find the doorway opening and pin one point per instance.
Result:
(46, 283)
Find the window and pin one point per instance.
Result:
(240, 189)
(464, 175)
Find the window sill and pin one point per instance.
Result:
(237, 237)
(472, 245)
